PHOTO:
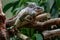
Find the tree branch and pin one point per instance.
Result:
(51, 33)
(45, 25)
(22, 36)
(42, 16)
(3, 32)
(18, 34)
(11, 21)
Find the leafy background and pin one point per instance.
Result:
(12, 7)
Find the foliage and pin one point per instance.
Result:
(50, 6)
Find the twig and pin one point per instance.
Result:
(20, 35)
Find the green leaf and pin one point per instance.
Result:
(9, 5)
(15, 5)
(57, 3)
(6, 7)
(38, 37)
(49, 5)
(54, 13)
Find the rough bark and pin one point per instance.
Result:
(45, 25)
(18, 34)
(3, 31)
(51, 33)
(43, 16)
(22, 36)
